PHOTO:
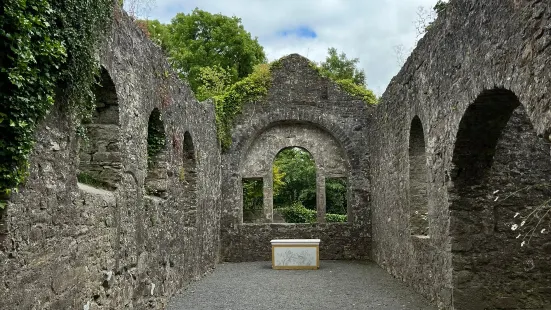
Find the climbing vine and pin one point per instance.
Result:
(230, 103)
(255, 86)
(48, 54)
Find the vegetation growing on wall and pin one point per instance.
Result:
(358, 91)
(48, 49)
(230, 103)
(346, 74)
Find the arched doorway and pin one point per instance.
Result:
(500, 178)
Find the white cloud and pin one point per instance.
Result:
(365, 29)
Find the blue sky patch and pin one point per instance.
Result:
(300, 31)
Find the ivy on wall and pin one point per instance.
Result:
(230, 103)
(255, 86)
(48, 54)
(348, 85)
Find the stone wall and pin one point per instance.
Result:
(459, 144)
(302, 109)
(480, 61)
(73, 246)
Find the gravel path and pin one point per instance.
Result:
(336, 285)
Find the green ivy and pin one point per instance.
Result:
(255, 86)
(230, 103)
(48, 49)
(349, 86)
(357, 91)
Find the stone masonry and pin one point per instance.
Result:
(72, 246)
(441, 173)
(302, 109)
(479, 84)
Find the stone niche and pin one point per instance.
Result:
(100, 155)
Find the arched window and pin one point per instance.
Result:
(418, 174)
(188, 175)
(294, 186)
(156, 179)
(100, 154)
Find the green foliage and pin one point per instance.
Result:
(358, 91)
(213, 81)
(48, 49)
(339, 67)
(253, 201)
(299, 178)
(156, 138)
(335, 218)
(201, 39)
(158, 33)
(345, 73)
(230, 103)
(440, 6)
(277, 176)
(297, 213)
(335, 196)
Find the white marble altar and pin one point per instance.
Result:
(295, 253)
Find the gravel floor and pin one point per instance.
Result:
(336, 285)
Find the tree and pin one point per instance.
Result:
(299, 178)
(158, 33)
(339, 67)
(200, 39)
(335, 196)
(213, 81)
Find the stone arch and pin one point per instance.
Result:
(188, 176)
(244, 136)
(157, 166)
(100, 162)
(418, 179)
(329, 156)
(501, 172)
(316, 176)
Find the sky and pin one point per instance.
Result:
(370, 30)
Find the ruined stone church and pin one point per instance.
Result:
(458, 144)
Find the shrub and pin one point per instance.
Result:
(336, 218)
(297, 213)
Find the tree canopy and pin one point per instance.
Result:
(346, 73)
(339, 67)
(201, 40)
